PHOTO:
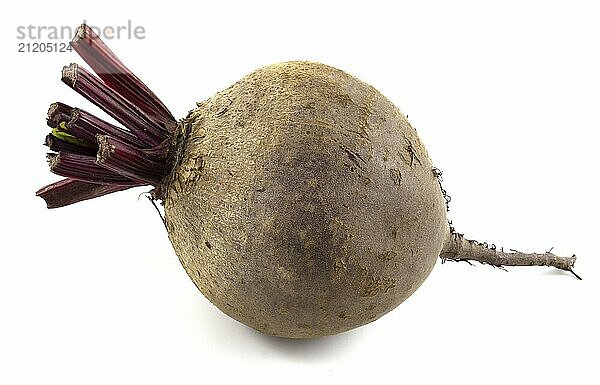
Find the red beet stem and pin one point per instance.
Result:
(84, 168)
(92, 88)
(57, 145)
(86, 126)
(97, 157)
(68, 191)
(126, 160)
(119, 78)
(159, 153)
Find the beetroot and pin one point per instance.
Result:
(299, 200)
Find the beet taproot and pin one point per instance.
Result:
(304, 203)
(300, 201)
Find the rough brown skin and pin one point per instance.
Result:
(303, 203)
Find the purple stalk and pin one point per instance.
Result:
(69, 191)
(86, 126)
(57, 145)
(91, 88)
(97, 157)
(129, 161)
(84, 168)
(159, 153)
(118, 77)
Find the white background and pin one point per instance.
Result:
(506, 99)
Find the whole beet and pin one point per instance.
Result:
(303, 203)
(300, 200)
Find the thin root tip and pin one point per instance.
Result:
(572, 265)
(575, 274)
